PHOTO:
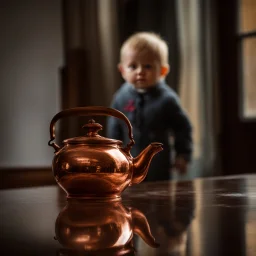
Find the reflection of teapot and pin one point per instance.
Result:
(88, 226)
(94, 166)
(127, 250)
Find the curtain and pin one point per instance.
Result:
(197, 82)
(90, 75)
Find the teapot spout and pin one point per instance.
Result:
(142, 161)
(142, 229)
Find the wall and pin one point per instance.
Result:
(31, 55)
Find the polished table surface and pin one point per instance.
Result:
(212, 216)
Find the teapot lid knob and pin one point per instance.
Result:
(92, 128)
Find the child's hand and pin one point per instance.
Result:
(181, 165)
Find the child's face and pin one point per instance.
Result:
(141, 69)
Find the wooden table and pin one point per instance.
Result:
(201, 217)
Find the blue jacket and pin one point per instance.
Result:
(155, 115)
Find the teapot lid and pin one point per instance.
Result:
(92, 136)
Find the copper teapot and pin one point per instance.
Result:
(105, 227)
(93, 166)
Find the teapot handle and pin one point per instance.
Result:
(86, 111)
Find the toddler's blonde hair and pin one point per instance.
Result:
(149, 41)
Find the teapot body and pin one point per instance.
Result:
(92, 171)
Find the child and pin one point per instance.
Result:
(152, 107)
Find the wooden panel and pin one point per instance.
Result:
(26, 177)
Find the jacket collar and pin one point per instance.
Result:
(149, 91)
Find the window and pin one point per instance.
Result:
(247, 47)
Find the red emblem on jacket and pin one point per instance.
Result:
(130, 107)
